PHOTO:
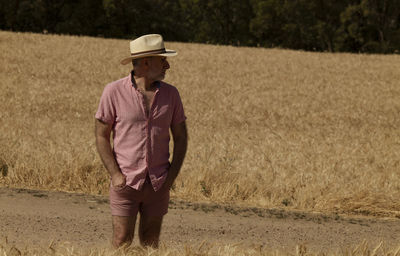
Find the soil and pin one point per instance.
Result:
(37, 218)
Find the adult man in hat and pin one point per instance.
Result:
(140, 110)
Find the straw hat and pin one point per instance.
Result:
(148, 45)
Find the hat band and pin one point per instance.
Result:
(149, 52)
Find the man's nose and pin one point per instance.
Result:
(166, 65)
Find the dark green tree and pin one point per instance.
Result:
(370, 26)
(219, 21)
(327, 23)
(79, 17)
(268, 21)
(28, 16)
(129, 19)
(383, 25)
(284, 23)
(316, 25)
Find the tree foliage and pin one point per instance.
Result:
(315, 25)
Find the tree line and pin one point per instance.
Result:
(371, 26)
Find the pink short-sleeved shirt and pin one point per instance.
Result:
(141, 143)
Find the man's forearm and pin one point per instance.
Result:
(180, 147)
(107, 157)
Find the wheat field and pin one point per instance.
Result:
(202, 249)
(267, 127)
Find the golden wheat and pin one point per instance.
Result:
(363, 249)
(267, 127)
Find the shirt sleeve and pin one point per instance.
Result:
(178, 112)
(106, 110)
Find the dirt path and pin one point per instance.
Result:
(37, 217)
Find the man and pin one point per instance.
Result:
(140, 110)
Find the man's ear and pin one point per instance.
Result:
(146, 61)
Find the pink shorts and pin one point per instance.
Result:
(128, 201)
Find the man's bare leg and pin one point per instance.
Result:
(149, 230)
(123, 230)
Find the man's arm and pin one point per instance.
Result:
(179, 134)
(103, 145)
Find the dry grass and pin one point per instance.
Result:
(268, 127)
(363, 249)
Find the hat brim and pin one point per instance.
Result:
(167, 53)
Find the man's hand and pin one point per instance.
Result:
(168, 182)
(118, 180)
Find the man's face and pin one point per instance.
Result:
(158, 65)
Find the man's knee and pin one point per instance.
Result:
(149, 230)
(120, 239)
(123, 230)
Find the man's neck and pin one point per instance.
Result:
(144, 84)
